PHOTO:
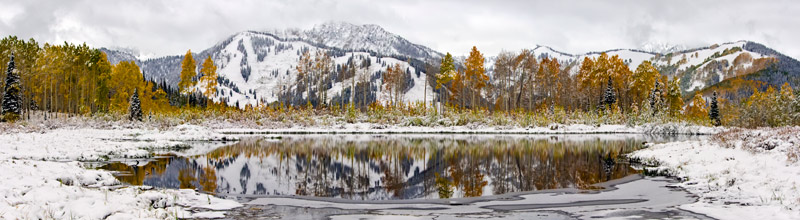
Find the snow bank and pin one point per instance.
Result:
(35, 185)
(87, 144)
(738, 174)
(679, 128)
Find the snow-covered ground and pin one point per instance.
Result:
(38, 181)
(738, 174)
(46, 171)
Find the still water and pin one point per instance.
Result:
(385, 167)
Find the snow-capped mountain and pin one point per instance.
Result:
(699, 68)
(365, 38)
(259, 67)
(661, 47)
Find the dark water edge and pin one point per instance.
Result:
(631, 197)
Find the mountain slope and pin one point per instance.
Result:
(700, 68)
(364, 38)
(260, 67)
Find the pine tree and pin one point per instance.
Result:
(446, 74)
(714, 112)
(796, 107)
(135, 108)
(12, 102)
(656, 99)
(609, 98)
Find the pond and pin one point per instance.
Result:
(393, 167)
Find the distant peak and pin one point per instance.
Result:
(340, 26)
(661, 47)
(330, 24)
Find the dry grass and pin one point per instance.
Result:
(764, 139)
(728, 138)
(273, 117)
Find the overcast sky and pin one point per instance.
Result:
(172, 27)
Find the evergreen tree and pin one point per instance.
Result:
(713, 113)
(135, 109)
(795, 113)
(12, 101)
(609, 98)
(656, 99)
(445, 75)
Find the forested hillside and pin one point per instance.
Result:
(376, 70)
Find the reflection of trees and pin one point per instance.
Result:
(135, 175)
(208, 179)
(444, 187)
(187, 176)
(410, 167)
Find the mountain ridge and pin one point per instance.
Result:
(264, 54)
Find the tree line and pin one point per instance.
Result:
(76, 79)
(522, 82)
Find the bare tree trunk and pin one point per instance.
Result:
(519, 95)
(425, 96)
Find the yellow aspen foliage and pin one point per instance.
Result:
(392, 82)
(595, 72)
(126, 77)
(757, 108)
(154, 99)
(697, 110)
(586, 74)
(621, 74)
(475, 74)
(209, 79)
(547, 80)
(458, 95)
(447, 71)
(787, 93)
(643, 82)
(673, 97)
(188, 72)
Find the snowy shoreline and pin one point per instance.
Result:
(739, 174)
(37, 183)
(368, 128)
(42, 185)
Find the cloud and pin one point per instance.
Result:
(172, 27)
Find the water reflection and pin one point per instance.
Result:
(378, 168)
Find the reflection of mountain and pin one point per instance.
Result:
(399, 168)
